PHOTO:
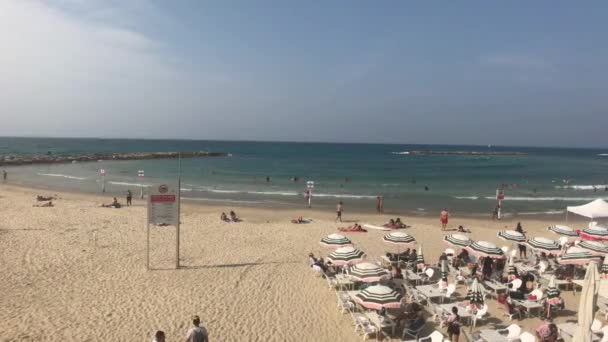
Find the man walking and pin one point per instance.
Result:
(339, 210)
(380, 204)
(197, 333)
(129, 197)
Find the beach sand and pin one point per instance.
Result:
(77, 272)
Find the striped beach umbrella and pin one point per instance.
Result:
(368, 272)
(346, 256)
(595, 247)
(400, 239)
(541, 244)
(335, 241)
(444, 274)
(512, 270)
(457, 240)
(604, 269)
(553, 292)
(563, 230)
(485, 249)
(377, 297)
(511, 235)
(577, 256)
(595, 233)
(475, 294)
(420, 264)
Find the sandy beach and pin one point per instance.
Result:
(76, 272)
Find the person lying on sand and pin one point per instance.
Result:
(233, 217)
(355, 228)
(298, 220)
(44, 198)
(462, 229)
(114, 204)
(390, 224)
(45, 205)
(399, 224)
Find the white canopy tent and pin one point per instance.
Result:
(593, 210)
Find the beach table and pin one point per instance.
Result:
(530, 305)
(545, 278)
(344, 281)
(567, 331)
(524, 268)
(430, 291)
(411, 276)
(492, 336)
(375, 319)
(495, 286)
(462, 311)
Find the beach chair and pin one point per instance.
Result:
(449, 291)
(367, 330)
(480, 315)
(427, 275)
(332, 283)
(596, 326)
(512, 332)
(412, 333)
(358, 319)
(527, 337)
(435, 336)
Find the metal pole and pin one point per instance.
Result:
(179, 194)
(148, 246)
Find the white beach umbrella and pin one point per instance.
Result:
(377, 297)
(542, 244)
(595, 247)
(368, 272)
(346, 256)
(566, 231)
(586, 308)
(485, 249)
(576, 256)
(400, 239)
(511, 235)
(457, 240)
(335, 241)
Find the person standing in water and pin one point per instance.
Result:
(380, 204)
(444, 218)
(339, 210)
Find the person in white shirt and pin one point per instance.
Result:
(197, 333)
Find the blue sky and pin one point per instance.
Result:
(471, 72)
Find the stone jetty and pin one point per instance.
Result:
(11, 160)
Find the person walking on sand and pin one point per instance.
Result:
(380, 204)
(197, 333)
(444, 218)
(339, 210)
(129, 197)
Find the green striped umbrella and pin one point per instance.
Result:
(553, 292)
(577, 256)
(420, 264)
(335, 241)
(512, 271)
(457, 240)
(511, 235)
(541, 244)
(475, 294)
(605, 268)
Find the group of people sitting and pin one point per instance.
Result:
(395, 224)
(114, 204)
(44, 199)
(232, 218)
(356, 228)
(326, 267)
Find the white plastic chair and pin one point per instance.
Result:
(542, 267)
(358, 319)
(596, 326)
(592, 224)
(435, 336)
(449, 291)
(527, 337)
(605, 334)
(516, 284)
(450, 253)
(538, 293)
(513, 253)
(332, 283)
(368, 329)
(480, 314)
(505, 249)
(513, 332)
(563, 241)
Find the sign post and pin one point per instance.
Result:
(102, 173)
(140, 174)
(163, 209)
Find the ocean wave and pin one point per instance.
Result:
(467, 197)
(344, 196)
(572, 199)
(130, 184)
(603, 154)
(582, 187)
(219, 200)
(61, 175)
(280, 193)
(390, 184)
(404, 152)
(548, 212)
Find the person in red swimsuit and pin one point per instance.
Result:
(444, 218)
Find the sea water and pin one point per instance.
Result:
(544, 181)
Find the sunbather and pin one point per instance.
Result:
(399, 224)
(298, 220)
(233, 217)
(462, 229)
(223, 217)
(114, 204)
(390, 224)
(44, 198)
(45, 205)
(353, 229)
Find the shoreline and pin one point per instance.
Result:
(207, 206)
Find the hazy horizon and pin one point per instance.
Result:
(471, 73)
